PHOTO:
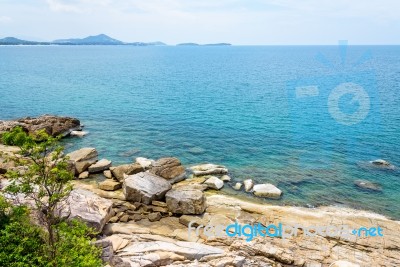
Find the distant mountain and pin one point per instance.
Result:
(188, 44)
(195, 44)
(100, 39)
(16, 41)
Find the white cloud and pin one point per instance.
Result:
(4, 19)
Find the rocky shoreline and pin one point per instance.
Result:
(144, 210)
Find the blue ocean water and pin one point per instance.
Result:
(266, 112)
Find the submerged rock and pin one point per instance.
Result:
(83, 158)
(186, 201)
(214, 183)
(364, 184)
(267, 191)
(380, 163)
(145, 187)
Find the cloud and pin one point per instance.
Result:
(5, 19)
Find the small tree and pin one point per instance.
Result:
(45, 179)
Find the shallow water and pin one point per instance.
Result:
(235, 106)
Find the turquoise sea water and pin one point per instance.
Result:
(235, 106)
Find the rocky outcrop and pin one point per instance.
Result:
(208, 169)
(100, 166)
(186, 201)
(126, 169)
(168, 168)
(267, 191)
(53, 125)
(83, 158)
(88, 207)
(145, 187)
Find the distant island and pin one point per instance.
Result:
(100, 39)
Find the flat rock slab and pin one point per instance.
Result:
(145, 187)
(208, 169)
(189, 250)
(84, 205)
(100, 166)
(127, 169)
(110, 185)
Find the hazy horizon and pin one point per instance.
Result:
(253, 22)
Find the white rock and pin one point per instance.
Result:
(248, 185)
(267, 190)
(208, 169)
(225, 178)
(214, 183)
(79, 133)
(144, 162)
(237, 186)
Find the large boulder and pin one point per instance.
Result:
(267, 191)
(186, 201)
(145, 187)
(53, 125)
(83, 158)
(168, 168)
(208, 169)
(88, 207)
(100, 166)
(126, 169)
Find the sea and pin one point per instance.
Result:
(308, 119)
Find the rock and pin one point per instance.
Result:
(226, 178)
(144, 162)
(127, 169)
(189, 201)
(155, 216)
(159, 258)
(342, 263)
(145, 187)
(169, 168)
(380, 163)
(84, 175)
(100, 166)
(117, 242)
(237, 186)
(368, 185)
(78, 133)
(208, 169)
(124, 218)
(108, 174)
(267, 190)
(83, 158)
(53, 125)
(248, 185)
(158, 203)
(136, 217)
(189, 250)
(107, 252)
(88, 207)
(110, 185)
(214, 183)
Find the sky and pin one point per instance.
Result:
(241, 22)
